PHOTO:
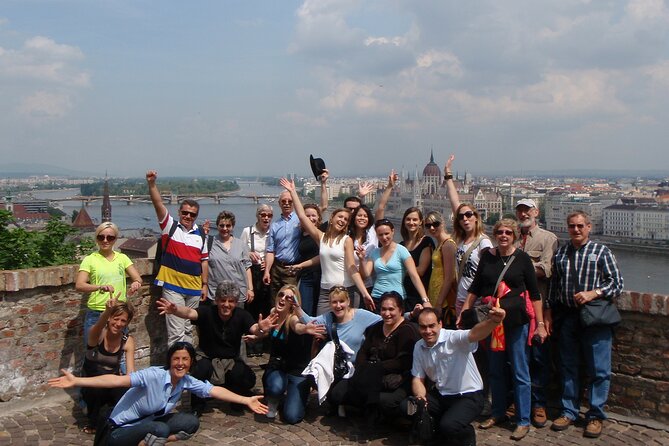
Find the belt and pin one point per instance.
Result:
(282, 263)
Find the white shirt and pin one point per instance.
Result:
(449, 363)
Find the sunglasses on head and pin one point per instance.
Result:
(108, 238)
(434, 224)
(468, 214)
(338, 288)
(189, 214)
(504, 232)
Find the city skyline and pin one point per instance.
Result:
(246, 88)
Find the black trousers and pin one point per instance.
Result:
(239, 379)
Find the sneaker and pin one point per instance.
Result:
(561, 423)
(593, 429)
(520, 432)
(273, 408)
(539, 418)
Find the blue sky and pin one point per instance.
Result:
(253, 87)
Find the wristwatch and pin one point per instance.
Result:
(598, 292)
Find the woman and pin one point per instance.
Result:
(107, 344)
(469, 235)
(335, 250)
(310, 276)
(290, 353)
(510, 345)
(442, 286)
(420, 247)
(229, 260)
(255, 239)
(364, 241)
(390, 263)
(383, 365)
(144, 413)
(102, 274)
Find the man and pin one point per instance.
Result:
(540, 245)
(583, 271)
(221, 329)
(184, 263)
(445, 358)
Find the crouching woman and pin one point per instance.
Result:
(144, 414)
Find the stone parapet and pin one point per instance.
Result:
(41, 319)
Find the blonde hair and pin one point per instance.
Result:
(507, 223)
(298, 299)
(106, 225)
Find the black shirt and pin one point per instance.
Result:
(410, 289)
(218, 338)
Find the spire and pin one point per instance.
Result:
(431, 155)
(106, 202)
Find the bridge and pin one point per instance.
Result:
(168, 198)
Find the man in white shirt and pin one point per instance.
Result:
(445, 357)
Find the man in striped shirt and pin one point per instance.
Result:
(184, 263)
(583, 270)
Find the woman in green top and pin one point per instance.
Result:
(103, 273)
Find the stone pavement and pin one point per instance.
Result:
(59, 423)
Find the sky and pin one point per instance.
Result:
(251, 87)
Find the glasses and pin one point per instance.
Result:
(574, 226)
(225, 225)
(382, 222)
(265, 215)
(286, 201)
(283, 294)
(468, 214)
(189, 214)
(434, 224)
(106, 238)
(504, 232)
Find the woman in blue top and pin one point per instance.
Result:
(144, 413)
(391, 262)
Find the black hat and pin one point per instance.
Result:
(317, 166)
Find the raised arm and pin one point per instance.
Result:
(453, 195)
(325, 199)
(307, 225)
(167, 307)
(156, 199)
(385, 196)
(96, 330)
(483, 329)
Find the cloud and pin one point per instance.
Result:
(45, 105)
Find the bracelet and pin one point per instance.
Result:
(541, 323)
(260, 330)
(448, 176)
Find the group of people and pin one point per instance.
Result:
(439, 318)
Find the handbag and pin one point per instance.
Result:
(599, 312)
(422, 426)
(340, 367)
(479, 313)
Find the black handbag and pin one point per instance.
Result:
(599, 313)
(340, 368)
(422, 426)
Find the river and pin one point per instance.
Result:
(642, 271)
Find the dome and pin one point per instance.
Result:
(431, 169)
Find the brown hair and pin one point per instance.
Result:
(330, 232)
(458, 231)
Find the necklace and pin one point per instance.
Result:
(505, 259)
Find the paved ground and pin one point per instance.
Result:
(59, 423)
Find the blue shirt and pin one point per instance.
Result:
(390, 275)
(150, 392)
(284, 238)
(352, 332)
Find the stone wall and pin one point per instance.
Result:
(41, 321)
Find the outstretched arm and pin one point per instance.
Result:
(307, 225)
(156, 199)
(167, 307)
(453, 195)
(252, 402)
(483, 329)
(68, 380)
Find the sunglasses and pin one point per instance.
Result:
(265, 215)
(225, 225)
(574, 226)
(107, 238)
(468, 214)
(283, 294)
(189, 214)
(286, 202)
(338, 288)
(504, 232)
(382, 222)
(434, 224)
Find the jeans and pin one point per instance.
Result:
(183, 425)
(595, 344)
(309, 291)
(179, 329)
(517, 354)
(239, 379)
(90, 318)
(540, 372)
(296, 390)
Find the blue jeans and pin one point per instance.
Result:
(296, 388)
(310, 285)
(540, 371)
(517, 355)
(183, 425)
(595, 344)
(90, 318)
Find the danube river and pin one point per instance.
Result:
(642, 271)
